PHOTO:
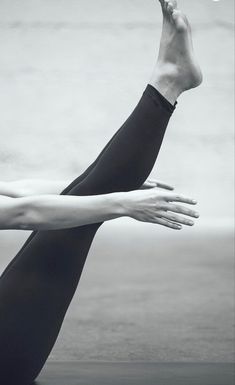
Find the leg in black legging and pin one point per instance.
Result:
(77, 181)
(37, 289)
(68, 188)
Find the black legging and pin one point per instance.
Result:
(38, 285)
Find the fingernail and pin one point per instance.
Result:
(194, 201)
(191, 223)
(197, 215)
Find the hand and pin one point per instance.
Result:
(155, 206)
(152, 183)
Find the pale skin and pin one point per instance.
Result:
(177, 69)
(36, 205)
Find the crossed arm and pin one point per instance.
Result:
(37, 205)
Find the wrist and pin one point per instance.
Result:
(121, 204)
(124, 204)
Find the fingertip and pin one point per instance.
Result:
(167, 187)
(178, 227)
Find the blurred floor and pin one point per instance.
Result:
(154, 295)
(136, 374)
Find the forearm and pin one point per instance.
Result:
(30, 187)
(49, 212)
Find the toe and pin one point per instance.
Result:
(174, 4)
(165, 5)
(162, 2)
(179, 20)
(170, 8)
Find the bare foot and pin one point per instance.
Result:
(177, 69)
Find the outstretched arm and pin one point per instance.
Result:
(30, 187)
(52, 212)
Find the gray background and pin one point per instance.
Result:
(70, 74)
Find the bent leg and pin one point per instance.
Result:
(37, 289)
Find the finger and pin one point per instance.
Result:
(166, 223)
(179, 198)
(160, 184)
(148, 185)
(151, 183)
(176, 218)
(181, 210)
(165, 186)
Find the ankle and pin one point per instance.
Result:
(167, 85)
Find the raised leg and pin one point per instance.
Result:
(176, 70)
(37, 289)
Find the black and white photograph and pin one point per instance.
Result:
(117, 192)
